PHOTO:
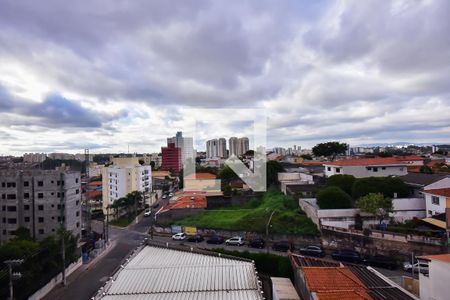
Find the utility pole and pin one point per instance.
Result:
(62, 231)
(267, 231)
(13, 276)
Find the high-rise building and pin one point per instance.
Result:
(243, 145)
(171, 158)
(233, 146)
(34, 157)
(124, 176)
(186, 144)
(222, 148)
(36, 199)
(216, 148)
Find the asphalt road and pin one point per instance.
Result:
(87, 280)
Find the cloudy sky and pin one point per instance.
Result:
(108, 74)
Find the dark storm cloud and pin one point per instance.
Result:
(54, 111)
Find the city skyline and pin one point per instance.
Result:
(359, 72)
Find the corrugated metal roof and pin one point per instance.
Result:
(163, 273)
(435, 222)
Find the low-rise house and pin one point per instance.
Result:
(321, 279)
(294, 178)
(434, 285)
(437, 200)
(418, 181)
(372, 167)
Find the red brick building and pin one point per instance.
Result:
(171, 158)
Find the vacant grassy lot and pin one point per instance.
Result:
(253, 216)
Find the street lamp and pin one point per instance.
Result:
(267, 230)
(13, 276)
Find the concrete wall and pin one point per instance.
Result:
(434, 208)
(361, 171)
(408, 208)
(435, 285)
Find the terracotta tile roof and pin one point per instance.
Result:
(343, 295)
(410, 158)
(440, 257)
(366, 162)
(201, 176)
(440, 192)
(334, 279)
(160, 173)
(95, 183)
(187, 200)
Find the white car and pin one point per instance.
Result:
(147, 213)
(235, 241)
(179, 236)
(170, 195)
(421, 267)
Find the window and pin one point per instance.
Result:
(40, 207)
(41, 231)
(26, 207)
(3, 184)
(375, 169)
(369, 168)
(77, 213)
(12, 221)
(11, 184)
(78, 224)
(435, 200)
(3, 208)
(26, 195)
(12, 208)
(3, 196)
(40, 183)
(41, 219)
(26, 183)
(430, 212)
(78, 202)
(383, 168)
(76, 180)
(40, 195)
(27, 219)
(338, 170)
(11, 196)
(77, 191)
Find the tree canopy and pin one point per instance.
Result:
(329, 149)
(343, 181)
(388, 186)
(376, 204)
(333, 197)
(273, 168)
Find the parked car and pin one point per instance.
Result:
(195, 238)
(179, 236)
(417, 267)
(257, 243)
(381, 261)
(156, 205)
(346, 255)
(283, 246)
(235, 241)
(215, 239)
(312, 251)
(170, 195)
(148, 212)
(164, 196)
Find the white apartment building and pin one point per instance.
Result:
(34, 157)
(124, 176)
(360, 168)
(95, 170)
(243, 145)
(437, 197)
(33, 198)
(434, 285)
(233, 146)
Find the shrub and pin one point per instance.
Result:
(333, 197)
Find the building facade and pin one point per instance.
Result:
(34, 157)
(171, 158)
(186, 144)
(36, 199)
(243, 145)
(233, 146)
(124, 176)
(371, 167)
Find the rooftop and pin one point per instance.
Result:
(439, 192)
(201, 176)
(439, 257)
(379, 161)
(166, 273)
(421, 179)
(186, 200)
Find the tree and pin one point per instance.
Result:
(152, 164)
(227, 175)
(23, 233)
(376, 204)
(329, 149)
(426, 169)
(343, 181)
(273, 168)
(388, 186)
(306, 156)
(333, 197)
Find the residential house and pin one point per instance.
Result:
(435, 285)
(437, 200)
(367, 167)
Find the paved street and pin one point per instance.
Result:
(86, 281)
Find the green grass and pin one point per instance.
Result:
(123, 221)
(253, 216)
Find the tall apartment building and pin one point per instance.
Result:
(34, 157)
(216, 148)
(124, 176)
(186, 144)
(243, 146)
(233, 146)
(33, 198)
(171, 158)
